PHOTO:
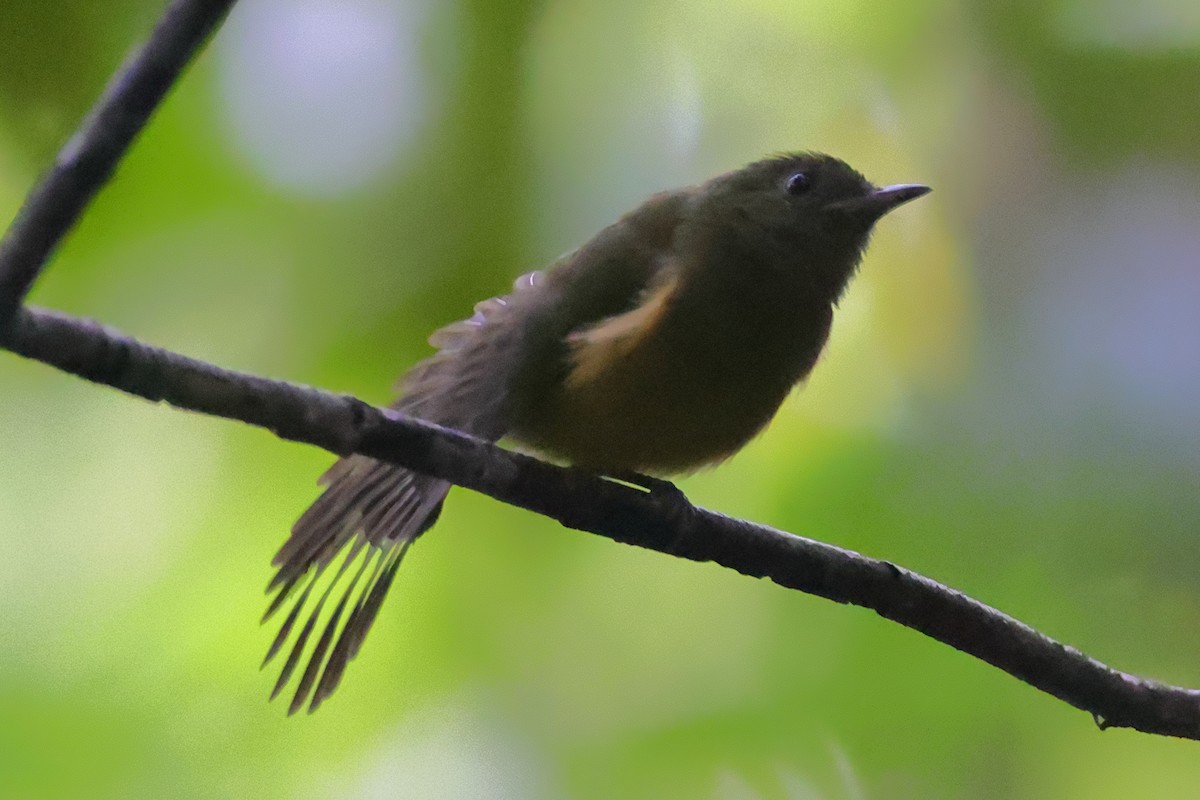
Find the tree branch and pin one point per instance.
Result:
(343, 425)
(87, 161)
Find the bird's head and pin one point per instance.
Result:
(803, 215)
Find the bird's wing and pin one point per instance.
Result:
(489, 369)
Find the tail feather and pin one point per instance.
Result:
(398, 508)
(374, 511)
(361, 617)
(288, 622)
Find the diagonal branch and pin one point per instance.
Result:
(341, 424)
(586, 502)
(85, 164)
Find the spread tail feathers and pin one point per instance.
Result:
(373, 512)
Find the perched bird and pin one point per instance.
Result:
(662, 345)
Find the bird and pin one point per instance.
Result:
(659, 347)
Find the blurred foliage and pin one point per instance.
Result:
(52, 65)
(1008, 402)
(1105, 74)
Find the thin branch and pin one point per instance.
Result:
(655, 521)
(87, 161)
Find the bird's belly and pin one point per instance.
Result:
(655, 411)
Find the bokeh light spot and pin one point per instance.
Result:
(323, 95)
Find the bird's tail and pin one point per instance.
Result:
(372, 512)
(357, 532)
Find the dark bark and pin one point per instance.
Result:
(87, 161)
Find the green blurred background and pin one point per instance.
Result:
(1009, 403)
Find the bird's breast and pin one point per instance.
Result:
(672, 386)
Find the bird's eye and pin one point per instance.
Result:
(798, 183)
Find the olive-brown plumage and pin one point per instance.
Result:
(662, 345)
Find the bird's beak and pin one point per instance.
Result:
(874, 205)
